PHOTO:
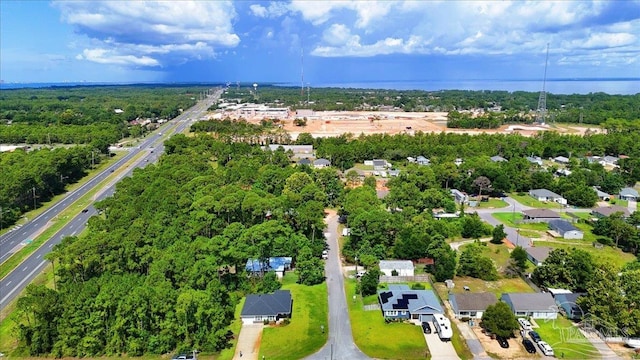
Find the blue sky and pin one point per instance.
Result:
(342, 41)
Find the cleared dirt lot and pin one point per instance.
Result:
(491, 346)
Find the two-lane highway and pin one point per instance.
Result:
(14, 282)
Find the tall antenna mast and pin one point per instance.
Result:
(542, 100)
(301, 69)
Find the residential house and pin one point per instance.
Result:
(400, 302)
(538, 254)
(380, 165)
(628, 194)
(321, 163)
(471, 305)
(561, 160)
(266, 307)
(394, 173)
(539, 215)
(606, 211)
(604, 161)
(421, 160)
(603, 196)
(610, 160)
(278, 264)
(304, 161)
(402, 267)
(547, 195)
(567, 304)
(565, 229)
(498, 158)
(563, 172)
(534, 305)
(459, 196)
(535, 160)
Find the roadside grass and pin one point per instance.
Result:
(565, 339)
(578, 214)
(513, 220)
(373, 336)
(606, 255)
(497, 287)
(493, 203)
(620, 202)
(530, 233)
(529, 201)
(236, 326)
(60, 221)
(302, 336)
(459, 343)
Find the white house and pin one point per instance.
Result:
(547, 195)
(535, 305)
(402, 267)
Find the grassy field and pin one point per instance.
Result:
(498, 253)
(497, 287)
(512, 219)
(371, 334)
(493, 203)
(529, 201)
(565, 339)
(303, 336)
(607, 254)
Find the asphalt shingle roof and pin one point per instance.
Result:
(267, 304)
(472, 301)
(534, 302)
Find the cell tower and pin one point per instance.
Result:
(301, 71)
(541, 113)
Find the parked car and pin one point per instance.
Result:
(360, 273)
(325, 254)
(85, 210)
(528, 345)
(426, 328)
(503, 342)
(183, 357)
(545, 348)
(525, 324)
(534, 336)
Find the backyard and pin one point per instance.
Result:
(606, 254)
(497, 287)
(303, 336)
(527, 200)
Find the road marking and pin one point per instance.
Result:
(26, 278)
(8, 283)
(24, 233)
(24, 268)
(50, 245)
(38, 257)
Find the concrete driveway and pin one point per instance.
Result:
(440, 350)
(248, 346)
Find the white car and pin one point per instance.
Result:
(360, 273)
(526, 325)
(325, 254)
(545, 348)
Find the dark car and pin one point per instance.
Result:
(342, 219)
(503, 342)
(85, 210)
(426, 328)
(534, 336)
(528, 345)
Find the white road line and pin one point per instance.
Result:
(8, 283)
(24, 268)
(50, 245)
(26, 278)
(38, 257)
(24, 233)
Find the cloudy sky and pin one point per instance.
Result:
(342, 41)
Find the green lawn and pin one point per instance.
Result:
(529, 201)
(607, 254)
(493, 203)
(530, 233)
(513, 220)
(498, 253)
(303, 336)
(497, 287)
(565, 339)
(372, 335)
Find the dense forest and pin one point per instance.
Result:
(31, 178)
(87, 115)
(518, 106)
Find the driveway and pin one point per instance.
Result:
(248, 346)
(440, 350)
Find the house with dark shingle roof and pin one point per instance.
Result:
(602, 195)
(400, 302)
(270, 307)
(565, 229)
(471, 305)
(534, 305)
(539, 215)
(606, 211)
(538, 254)
(567, 303)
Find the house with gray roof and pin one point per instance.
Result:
(568, 304)
(498, 158)
(603, 196)
(402, 267)
(539, 215)
(565, 229)
(321, 163)
(561, 160)
(538, 254)
(421, 160)
(545, 195)
(628, 194)
(304, 161)
(278, 264)
(534, 305)
(402, 303)
(606, 211)
(469, 305)
(535, 160)
(379, 164)
(459, 196)
(267, 307)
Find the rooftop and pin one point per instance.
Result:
(396, 264)
(400, 298)
(540, 253)
(609, 210)
(562, 225)
(267, 304)
(541, 213)
(472, 301)
(524, 302)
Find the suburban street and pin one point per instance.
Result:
(340, 344)
(152, 147)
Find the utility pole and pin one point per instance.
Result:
(34, 197)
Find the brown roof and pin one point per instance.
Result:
(608, 210)
(541, 213)
(474, 301)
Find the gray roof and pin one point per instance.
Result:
(540, 253)
(561, 159)
(415, 301)
(541, 213)
(601, 194)
(629, 192)
(377, 162)
(562, 225)
(304, 161)
(534, 159)
(472, 301)
(536, 302)
(267, 304)
(611, 159)
(322, 162)
(498, 158)
(396, 264)
(544, 193)
(608, 210)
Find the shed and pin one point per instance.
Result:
(535, 305)
(561, 159)
(403, 267)
(565, 229)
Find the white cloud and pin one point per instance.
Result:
(274, 9)
(258, 10)
(124, 32)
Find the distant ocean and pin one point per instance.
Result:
(623, 86)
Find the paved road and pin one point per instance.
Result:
(340, 344)
(512, 234)
(21, 276)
